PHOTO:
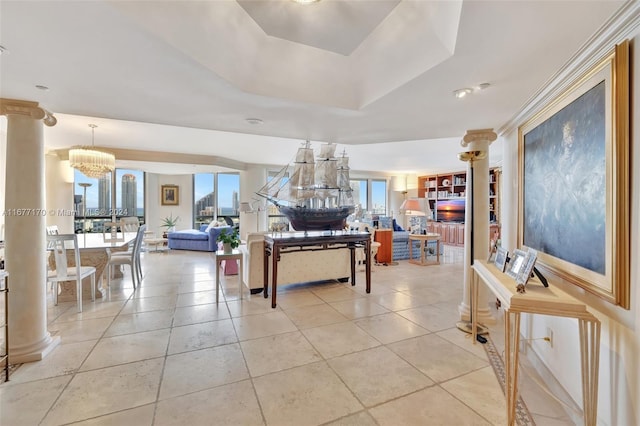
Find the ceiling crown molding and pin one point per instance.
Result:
(620, 26)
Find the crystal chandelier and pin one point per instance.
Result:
(91, 162)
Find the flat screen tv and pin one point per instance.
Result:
(450, 210)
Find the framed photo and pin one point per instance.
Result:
(516, 263)
(169, 195)
(501, 258)
(527, 268)
(573, 200)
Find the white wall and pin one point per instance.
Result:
(155, 212)
(619, 379)
(59, 194)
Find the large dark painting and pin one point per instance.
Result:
(565, 183)
(573, 181)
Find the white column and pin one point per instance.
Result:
(477, 140)
(25, 250)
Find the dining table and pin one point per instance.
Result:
(94, 251)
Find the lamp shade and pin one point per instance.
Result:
(412, 207)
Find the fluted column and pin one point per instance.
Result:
(478, 141)
(25, 221)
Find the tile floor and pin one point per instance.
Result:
(166, 354)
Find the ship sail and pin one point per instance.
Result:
(317, 195)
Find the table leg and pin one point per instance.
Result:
(422, 258)
(410, 249)
(438, 251)
(218, 266)
(590, 359)
(265, 278)
(274, 278)
(367, 256)
(512, 343)
(352, 251)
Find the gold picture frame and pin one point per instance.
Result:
(169, 195)
(573, 175)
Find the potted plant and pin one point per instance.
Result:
(229, 239)
(169, 223)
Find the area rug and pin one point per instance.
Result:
(523, 417)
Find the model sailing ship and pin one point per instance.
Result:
(317, 196)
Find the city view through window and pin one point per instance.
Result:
(207, 206)
(104, 200)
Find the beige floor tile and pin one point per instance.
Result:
(251, 306)
(197, 298)
(99, 392)
(298, 299)
(79, 331)
(314, 316)
(378, 375)
(390, 327)
(201, 335)
(463, 340)
(335, 294)
(200, 313)
(25, 404)
(64, 359)
(358, 308)
(143, 321)
(261, 325)
(362, 418)
(339, 339)
(279, 352)
(98, 309)
(233, 404)
(140, 416)
(147, 304)
(307, 395)
(377, 286)
(127, 348)
(481, 391)
(432, 317)
(431, 406)
(156, 290)
(203, 369)
(398, 301)
(439, 359)
(190, 286)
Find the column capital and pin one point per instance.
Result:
(28, 108)
(480, 135)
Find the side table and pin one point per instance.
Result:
(424, 238)
(155, 242)
(234, 255)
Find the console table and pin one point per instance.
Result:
(545, 301)
(277, 244)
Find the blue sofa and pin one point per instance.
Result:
(202, 240)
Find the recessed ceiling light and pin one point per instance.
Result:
(483, 86)
(461, 93)
(306, 1)
(41, 87)
(3, 50)
(254, 121)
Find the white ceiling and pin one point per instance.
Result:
(378, 76)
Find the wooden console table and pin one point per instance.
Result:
(545, 301)
(277, 244)
(424, 238)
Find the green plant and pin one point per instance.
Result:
(229, 237)
(170, 221)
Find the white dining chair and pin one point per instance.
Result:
(63, 272)
(131, 258)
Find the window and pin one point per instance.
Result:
(210, 203)
(274, 215)
(123, 188)
(379, 197)
(360, 192)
